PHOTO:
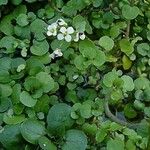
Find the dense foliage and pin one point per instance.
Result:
(75, 74)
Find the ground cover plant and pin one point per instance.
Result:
(75, 74)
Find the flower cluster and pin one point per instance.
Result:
(64, 32)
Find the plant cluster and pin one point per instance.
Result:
(75, 74)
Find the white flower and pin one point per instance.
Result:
(52, 29)
(79, 36)
(61, 22)
(65, 34)
(56, 53)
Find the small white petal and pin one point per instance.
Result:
(58, 52)
(49, 33)
(76, 39)
(54, 25)
(63, 30)
(49, 27)
(82, 37)
(52, 56)
(55, 33)
(70, 30)
(68, 38)
(60, 36)
(61, 22)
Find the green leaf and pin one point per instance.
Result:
(147, 94)
(90, 129)
(5, 90)
(32, 130)
(42, 104)
(10, 136)
(128, 83)
(106, 42)
(114, 31)
(46, 144)
(85, 110)
(8, 42)
(13, 119)
(130, 145)
(126, 62)
(147, 111)
(79, 23)
(79, 62)
(100, 58)
(129, 12)
(87, 49)
(59, 118)
(129, 111)
(100, 135)
(75, 140)
(33, 85)
(116, 95)
(131, 134)
(27, 100)
(3, 2)
(5, 25)
(5, 103)
(143, 49)
(115, 144)
(16, 90)
(47, 82)
(16, 2)
(38, 27)
(97, 3)
(56, 44)
(39, 48)
(34, 66)
(109, 78)
(141, 83)
(126, 46)
(22, 20)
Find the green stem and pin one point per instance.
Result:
(117, 120)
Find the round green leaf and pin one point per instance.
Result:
(126, 46)
(143, 49)
(106, 42)
(128, 83)
(129, 12)
(39, 48)
(5, 103)
(141, 83)
(75, 140)
(22, 20)
(3, 2)
(115, 144)
(59, 118)
(32, 130)
(56, 44)
(10, 136)
(46, 144)
(85, 110)
(27, 100)
(38, 27)
(33, 85)
(5, 90)
(47, 82)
